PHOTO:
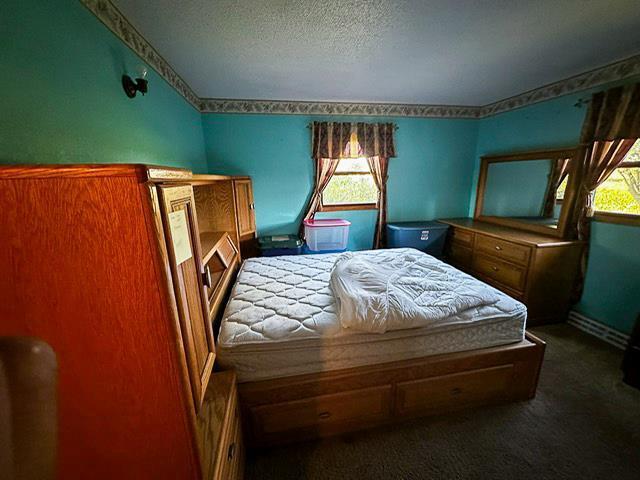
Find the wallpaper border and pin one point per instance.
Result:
(612, 72)
(113, 19)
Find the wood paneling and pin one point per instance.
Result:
(78, 254)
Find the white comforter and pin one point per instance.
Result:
(412, 289)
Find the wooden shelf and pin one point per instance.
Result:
(209, 242)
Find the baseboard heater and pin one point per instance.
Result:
(598, 329)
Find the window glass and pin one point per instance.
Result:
(620, 193)
(352, 184)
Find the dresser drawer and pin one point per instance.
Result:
(324, 412)
(503, 249)
(502, 272)
(464, 237)
(460, 255)
(447, 391)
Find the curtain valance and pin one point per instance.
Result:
(613, 114)
(351, 140)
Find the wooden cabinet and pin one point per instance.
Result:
(180, 228)
(125, 309)
(245, 206)
(537, 269)
(245, 209)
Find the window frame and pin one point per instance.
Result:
(340, 207)
(617, 217)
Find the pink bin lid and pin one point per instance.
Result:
(327, 222)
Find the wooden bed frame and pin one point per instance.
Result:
(315, 405)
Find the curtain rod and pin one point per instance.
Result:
(395, 127)
(581, 103)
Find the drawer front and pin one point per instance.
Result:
(458, 389)
(460, 255)
(226, 250)
(503, 249)
(233, 450)
(504, 273)
(464, 237)
(325, 411)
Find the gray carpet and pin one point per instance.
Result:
(584, 423)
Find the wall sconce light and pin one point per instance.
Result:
(131, 87)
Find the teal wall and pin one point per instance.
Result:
(516, 189)
(612, 286)
(62, 101)
(430, 178)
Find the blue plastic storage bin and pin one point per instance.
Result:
(428, 237)
(277, 245)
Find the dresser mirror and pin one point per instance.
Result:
(529, 190)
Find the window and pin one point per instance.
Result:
(351, 188)
(619, 195)
(561, 189)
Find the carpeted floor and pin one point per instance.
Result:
(583, 424)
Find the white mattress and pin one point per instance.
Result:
(281, 321)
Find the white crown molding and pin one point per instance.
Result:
(109, 14)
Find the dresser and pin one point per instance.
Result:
(537, 269)
(122, 270)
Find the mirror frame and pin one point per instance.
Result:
(568, 201)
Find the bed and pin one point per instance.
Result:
(302, 374)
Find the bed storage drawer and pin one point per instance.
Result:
(509, 251)
(504, 273)
(325, 412)
(457, 389)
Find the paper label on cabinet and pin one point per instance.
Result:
(180, 236)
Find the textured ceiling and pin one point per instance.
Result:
(462, 52)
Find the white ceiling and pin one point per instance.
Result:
(451, 52)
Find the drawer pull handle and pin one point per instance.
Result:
(498, 247)
(232, 451)
(206, 277)
(495, 269)
(324, 415)
(456, 391)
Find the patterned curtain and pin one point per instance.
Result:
(379, 167)
(331, 141)
(611, 128)
(557, 175)
(325, 168)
